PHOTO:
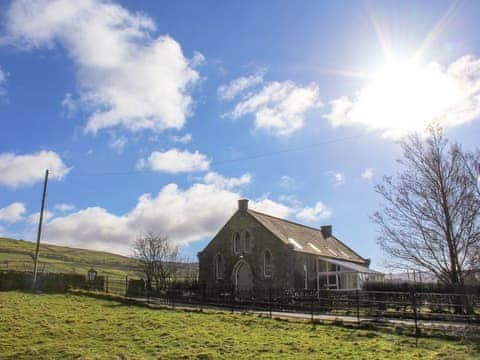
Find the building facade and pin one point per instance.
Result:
(256, 252)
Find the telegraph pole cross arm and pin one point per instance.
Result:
(39, 233)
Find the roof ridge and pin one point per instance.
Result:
(289, 221)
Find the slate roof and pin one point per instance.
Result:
(307, 239)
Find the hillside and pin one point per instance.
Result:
(18, 255)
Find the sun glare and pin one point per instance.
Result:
(408, 93)
(404, 97)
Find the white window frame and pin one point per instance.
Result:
(324, 272)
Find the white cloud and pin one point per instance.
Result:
(13, 212)
(64, 207)
(185, 215)
(279, 107)
(17, 170)
(223, 182)
(239, 85)
(127, 76)
(35, 218)
(185, 139)
(271, 207)
(117, 143)
(175, 161)
(337, 177)
(291, 200)
(69, 104)
(405, 98)
(367, 174)
(311, 214)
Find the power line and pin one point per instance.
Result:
(227, 161)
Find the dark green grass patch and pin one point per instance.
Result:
(77, 327)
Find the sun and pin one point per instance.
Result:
(407, 93)
(406, 96)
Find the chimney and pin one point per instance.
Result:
(243, 204)
(326, 230)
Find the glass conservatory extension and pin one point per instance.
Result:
(343, 275)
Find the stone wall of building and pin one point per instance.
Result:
(285, 262)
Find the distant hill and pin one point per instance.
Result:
(18, 255)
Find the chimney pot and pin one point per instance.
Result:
(243, 204)
(326, 230)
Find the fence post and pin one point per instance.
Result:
(202, 298)
(126, 286)
(233, 300)
(311, 306)
(357, 299)
(106, 284)
(414, 307)
(270, 302)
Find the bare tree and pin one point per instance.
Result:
(430, 216)
(158, 258)
(472, 161)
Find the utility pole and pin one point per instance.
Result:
(39, 234)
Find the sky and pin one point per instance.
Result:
(158, 116)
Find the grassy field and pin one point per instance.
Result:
(18, 255)
(72, 326)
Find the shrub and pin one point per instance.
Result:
(135, 287)
(46, 282)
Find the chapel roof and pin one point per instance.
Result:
(307, 239)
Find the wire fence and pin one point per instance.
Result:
(452, 313)
(411, 305)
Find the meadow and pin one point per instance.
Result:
(39, 326)
(18, 255)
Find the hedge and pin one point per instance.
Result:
(421, 287)
(46, 282)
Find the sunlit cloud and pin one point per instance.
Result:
(279, 107)
(63, 207)
(127, 75)
(338, 178)
(406, 97)
(175, 161)
(318, 212)
(367, 174)
(34, 218)
(27, 169)
(13, 212)
(239, 85)
(185, 215)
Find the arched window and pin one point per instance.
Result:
(236, 243)
(267, 263)
(248, 242)
(219, 267)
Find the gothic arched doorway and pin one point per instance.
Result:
(243, 277)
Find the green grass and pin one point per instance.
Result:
(18, 255)
(73, 326)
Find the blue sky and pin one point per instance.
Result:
(158, 116)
